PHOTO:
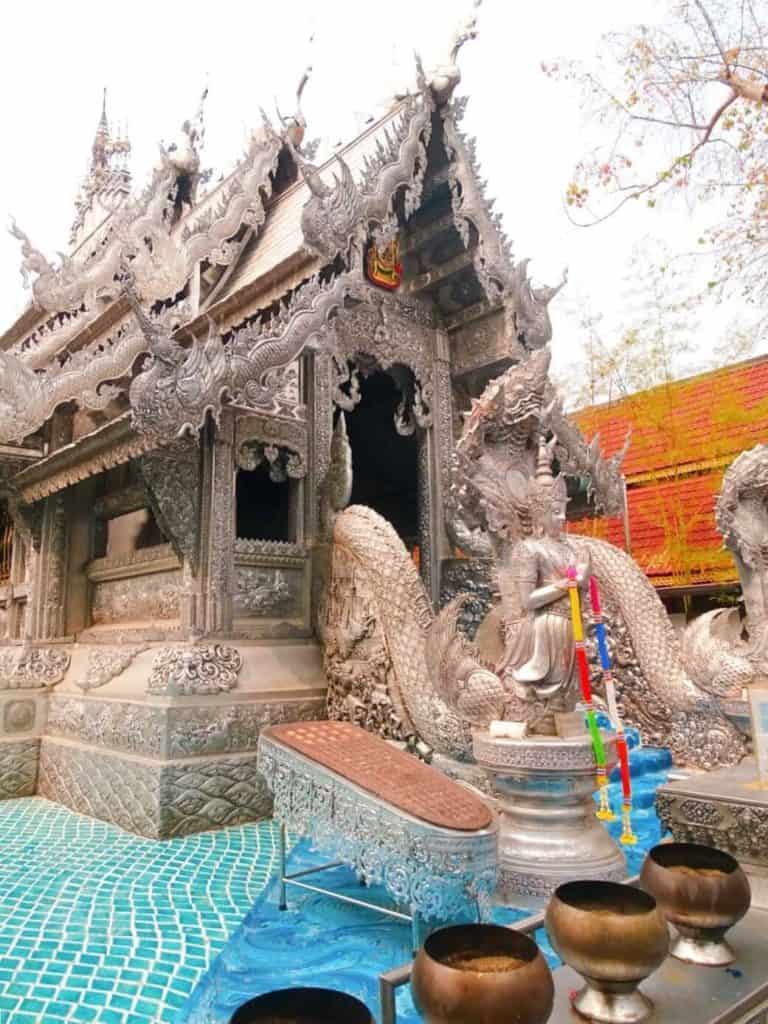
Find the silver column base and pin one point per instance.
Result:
(548, 832)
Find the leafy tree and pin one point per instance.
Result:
(657, 343)
(680, 106)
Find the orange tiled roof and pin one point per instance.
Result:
(684, 436)
(697, 423)
(672, 531)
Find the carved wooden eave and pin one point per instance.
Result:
(111, 445)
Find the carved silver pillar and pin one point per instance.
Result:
(434, 465)
(320, 404)
(46, 621)
(428, 566)
(217, 541)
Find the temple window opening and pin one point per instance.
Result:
(265, 509)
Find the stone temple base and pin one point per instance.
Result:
(18, 767)
(727, 809)
(157, 799)
(160, 740)
(548, 831)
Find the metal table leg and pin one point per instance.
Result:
(282, 905)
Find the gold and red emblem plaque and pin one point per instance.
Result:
(383, 265)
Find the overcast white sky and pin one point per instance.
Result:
(154, 58)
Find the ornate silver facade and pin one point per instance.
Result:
(197, 342)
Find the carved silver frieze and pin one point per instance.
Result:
(123, 725)
(722, 822)
(104, 449)
(32, 667)
(105, 664)
(196, 731)
(187, 671)
(282, 549)
(132, 563)
(267, 592)
(137, 598)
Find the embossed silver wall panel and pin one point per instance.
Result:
(132, 727)
(207, 730)
(101, 785)
(156, 596)
(172, 732)
(268, 593)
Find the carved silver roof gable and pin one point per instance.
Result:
(347, 212)
(181, 386)
(503, 282)
(141, 232)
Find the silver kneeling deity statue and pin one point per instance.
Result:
(539, 661)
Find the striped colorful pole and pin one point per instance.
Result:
(628, 837)
(577, 624)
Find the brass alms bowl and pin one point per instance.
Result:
(614, 936)
(481, 974)
(701, 891)
(303, 1006)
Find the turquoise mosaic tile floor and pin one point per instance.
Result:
(319, 941)
(102, 927)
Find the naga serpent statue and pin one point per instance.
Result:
(396, 668)
(725, 653)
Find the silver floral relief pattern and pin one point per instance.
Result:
(122, 725)
(32, 667)
(267, 592)
(186, 671)
(105, 664)
(741, 829)
(236, 728)
(154, 596)
(436, 873)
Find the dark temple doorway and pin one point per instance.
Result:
(384, 463)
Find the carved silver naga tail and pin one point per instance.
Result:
(692, 724)
(386, 580)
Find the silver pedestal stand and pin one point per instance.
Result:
(548, 832)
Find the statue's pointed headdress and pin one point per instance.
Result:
(544, 489)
